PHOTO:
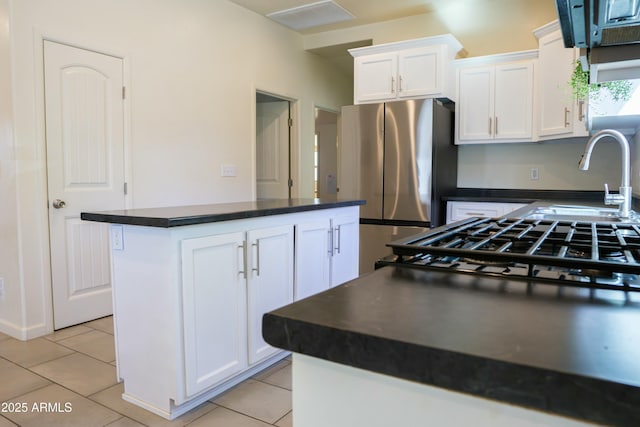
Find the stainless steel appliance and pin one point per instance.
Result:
(595, 255)
(399, 157)
(609, 33)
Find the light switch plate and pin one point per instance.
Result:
(228, 170)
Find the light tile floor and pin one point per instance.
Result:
(68, 378)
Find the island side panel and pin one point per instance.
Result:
(146, 286)
(331, 394)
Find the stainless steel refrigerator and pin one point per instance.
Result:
(400, 157)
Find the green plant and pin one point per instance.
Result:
(620, 90)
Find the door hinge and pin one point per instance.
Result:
(124, 92)
(125, 189)
(290, 122)
(290, 183)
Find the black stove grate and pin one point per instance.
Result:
(606, 254)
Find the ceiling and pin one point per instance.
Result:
(365, 11)
(468, 20)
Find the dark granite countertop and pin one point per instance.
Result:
(520, 196)
(200, 214)
(566, 352)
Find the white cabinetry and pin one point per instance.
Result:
(214, 309)
(270, 282)
(228, 282)
(560, 115)
(326, 253)
(409, 69)
(457, 211)
(189, 301)
(495, 102)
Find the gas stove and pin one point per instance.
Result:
(573, 253)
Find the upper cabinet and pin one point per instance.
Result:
(412, 69)
(495, 98)
(560, 115)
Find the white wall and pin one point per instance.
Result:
(509, 165)
(192, 68)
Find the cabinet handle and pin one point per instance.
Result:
(475, 214)
(490, 126)
(330, 237)
(337, 248)
(580, 106)
(243, 246)
(393, 83)
(566, 117)
(496, 119)
(257, 246)
(400, 83)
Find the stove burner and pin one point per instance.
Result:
(599, 255)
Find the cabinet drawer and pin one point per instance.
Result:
(457, 211)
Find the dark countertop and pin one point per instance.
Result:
(520, 196)
(568, 353)
(200, 214)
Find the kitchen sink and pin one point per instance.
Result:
(580, 213)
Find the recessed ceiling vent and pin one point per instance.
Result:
(311, 15)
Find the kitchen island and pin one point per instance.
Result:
(411, 347)
(191, 283)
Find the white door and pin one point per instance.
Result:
(475, 103)
(375, 78)
(270, 283)
(419, 72)
(346, 239)
(85, 167)
(272, 149)
(312, 258)
(213, 309)
(513, 101)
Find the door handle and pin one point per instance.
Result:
(257, 267)
(59, 204)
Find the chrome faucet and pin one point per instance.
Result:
(623, 198)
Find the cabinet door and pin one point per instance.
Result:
(312, 258)
(213, 309)
(270, 283)
(346, 241)
(457, 211)
(375, 77)
(475, 104)
(513, 117)
(556, 64)
(420, 72)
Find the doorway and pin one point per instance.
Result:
(274, 123)
(84, 130)
(326, 153)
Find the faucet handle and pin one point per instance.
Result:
(612, 198)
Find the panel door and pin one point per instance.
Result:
(556, 64)
(270, 283)
(346, 241)
(213, 309)
(375, 77)
(514, 101)
(475, 103)
(272, 149)
(420, 72)
(85, 166)
(312, 258)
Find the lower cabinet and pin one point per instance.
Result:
(228, 282)
(326, 253)
(457, 211)
(189, 301)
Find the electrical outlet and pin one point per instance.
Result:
(117, 238)
(534, 174)
(228, 170)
